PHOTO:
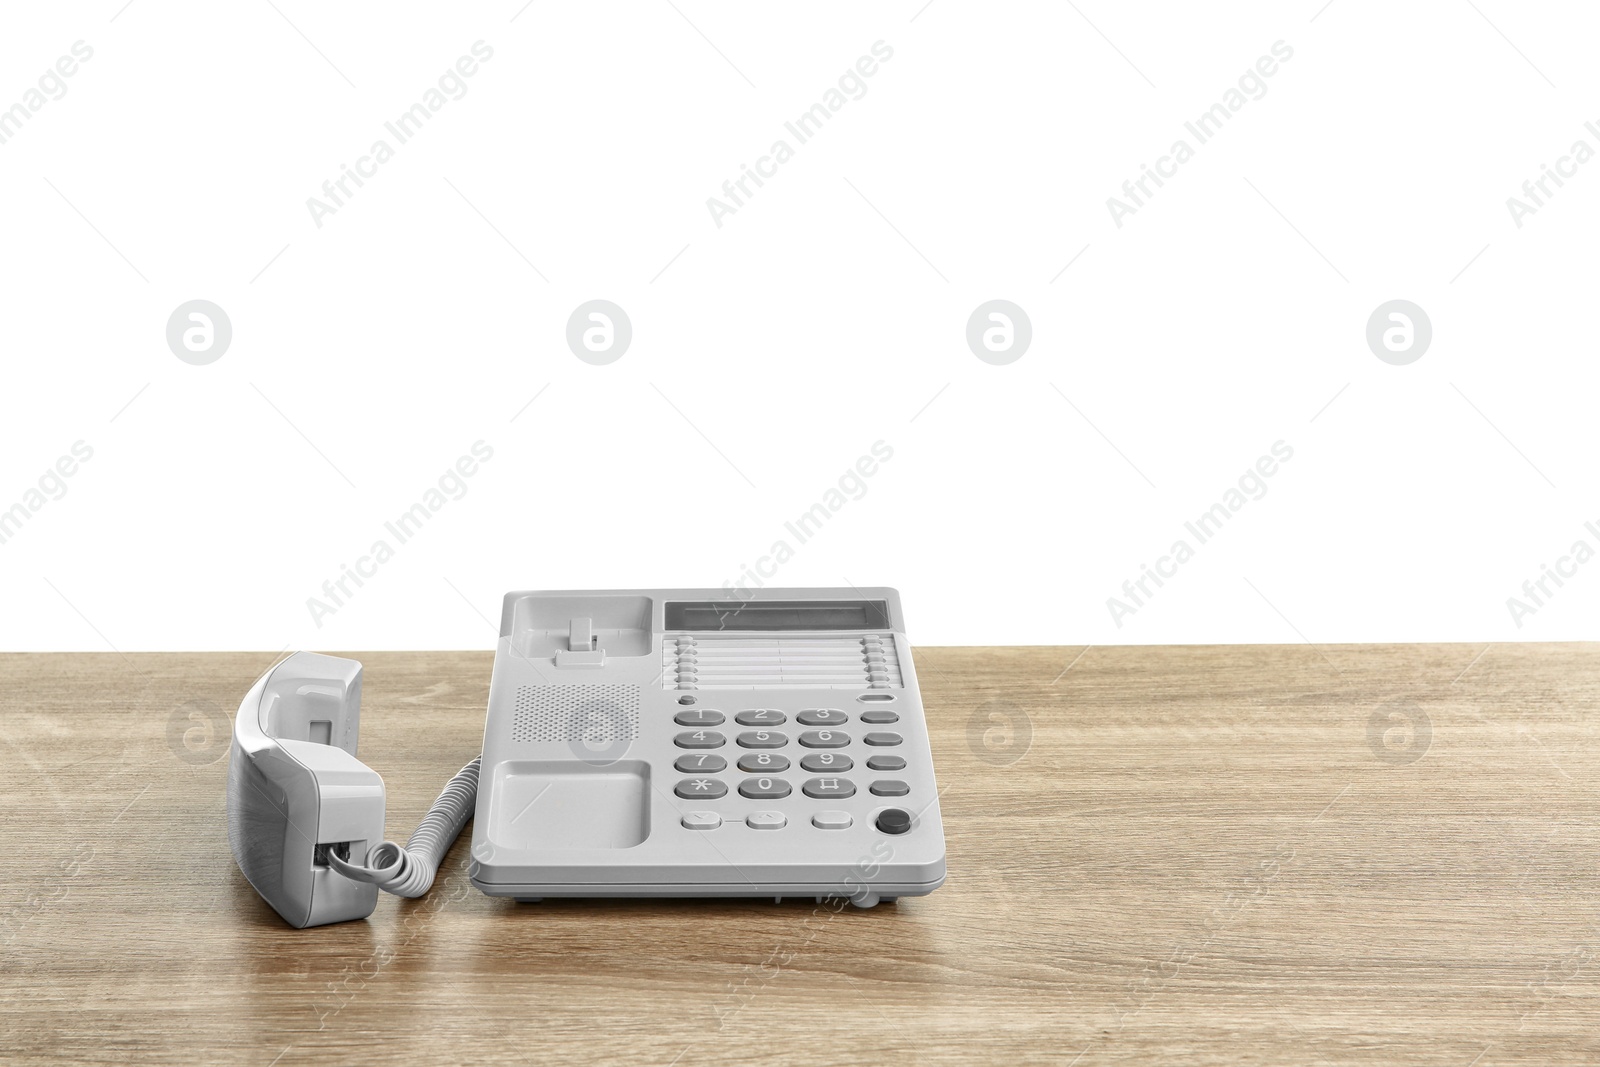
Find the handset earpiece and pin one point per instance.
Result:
(305, 817)
(297, 795)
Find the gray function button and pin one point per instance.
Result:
(823, 788)
(822, 717)
(699, 739)
(832, 820)
(760, 717)
(763, 763)
(701, 789)
(699, 717)
(701, 820)
(700, 763)
(889, 787)
(763, 739)
(829, 762)
(767, 820)
(879, 718)
(882, 738)
(887, 763)
(764, 788)
(824, 739)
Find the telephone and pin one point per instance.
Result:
(638, 743)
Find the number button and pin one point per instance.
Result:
(701, 789)
(764, 788)
(700, 717)
(882, 738)
(760, 717)
(699, 739)
(821, 717)
(887, 763)
(763, 763)
(887, 787)
(824, 762)
(879, 718)
(823, 788)
(700, 764)
(762, 739)
(824, 739)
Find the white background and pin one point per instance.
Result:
(827, 314)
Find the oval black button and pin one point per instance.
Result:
(894, 821)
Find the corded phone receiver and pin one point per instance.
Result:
(300, 805)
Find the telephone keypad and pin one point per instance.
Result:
(763, 765)
(700, 764)
(699, 739)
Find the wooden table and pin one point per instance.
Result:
(1230, 855)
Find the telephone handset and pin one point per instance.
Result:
(663, 743)
(300, 804)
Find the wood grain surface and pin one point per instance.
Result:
(1219, 855)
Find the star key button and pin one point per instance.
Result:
(701, 789)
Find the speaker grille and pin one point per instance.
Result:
(598, 714)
